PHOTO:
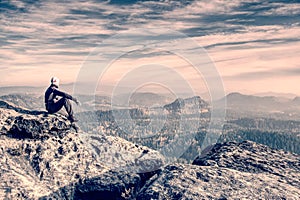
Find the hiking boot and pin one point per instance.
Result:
(75, 127)
(72, 119)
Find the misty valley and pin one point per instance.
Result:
(181, 128)
(150, 146)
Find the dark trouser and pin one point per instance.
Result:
(55, 107)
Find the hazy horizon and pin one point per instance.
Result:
(14, 89)
(254, 45)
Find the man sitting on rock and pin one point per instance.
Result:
(54, 104)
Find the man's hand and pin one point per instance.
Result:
(77, 102)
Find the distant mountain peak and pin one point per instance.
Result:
(193, 103)
(296, 99)
(235, 94)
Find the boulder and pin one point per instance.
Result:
(41, 157)
(179, 181)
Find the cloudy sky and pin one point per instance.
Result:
(254, 45)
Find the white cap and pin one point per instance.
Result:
(55, 81)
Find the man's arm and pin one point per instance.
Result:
(66, 95)
(63, 94)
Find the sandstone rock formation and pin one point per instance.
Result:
(230, 171)
(41, 153)
(42, 157)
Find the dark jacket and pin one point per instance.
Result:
(52, 92)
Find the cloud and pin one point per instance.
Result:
(283, 9)
(245, 38)
(267, 74)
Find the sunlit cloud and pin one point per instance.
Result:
(248, 40)
(282, 9)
